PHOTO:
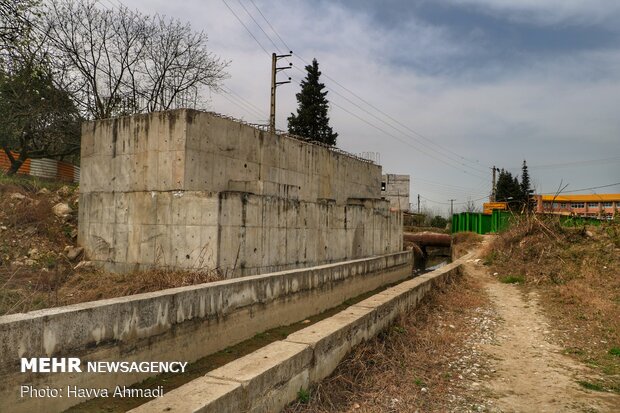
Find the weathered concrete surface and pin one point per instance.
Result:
(270, 376)
(190, 189)
(328, 341)
(168, 325)
(396, 191)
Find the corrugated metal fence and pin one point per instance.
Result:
(495, 222)
(44, 168)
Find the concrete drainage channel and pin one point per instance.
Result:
(203, 366)
(269, 378)
(180, 324)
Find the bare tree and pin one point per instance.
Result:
(16, 18)
(177, 64)
(470, 206)
(121, 61)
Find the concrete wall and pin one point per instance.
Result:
(396, 191)
(200, 151)
(189, 189)
(168, 325)
(269, 378)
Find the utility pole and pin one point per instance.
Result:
(418, 203)
(452, 207)
(493, 187)
(274, 85)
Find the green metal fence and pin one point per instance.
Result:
(481, 223)
(498, 221)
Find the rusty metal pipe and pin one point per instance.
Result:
(428, 239)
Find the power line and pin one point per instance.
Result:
(272, 28)
(456, 187)
(590, 189)
(245, 101)
(342, 108)
(235, 101)
(259, 26)
(572, 164)
(399, 139)
(246, 27)
(455, 203)
(395, 128)
(366, 102)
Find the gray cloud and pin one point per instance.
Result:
(550, 12)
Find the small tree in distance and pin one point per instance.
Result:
(311, 120)
(508, 188)
(526, 191)
(439, 222)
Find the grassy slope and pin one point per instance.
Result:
(32, 280)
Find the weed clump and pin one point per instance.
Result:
(303, 396)
(512, 279)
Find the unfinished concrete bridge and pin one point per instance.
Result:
(295, 228)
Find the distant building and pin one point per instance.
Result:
(395, 188)
(591, 205)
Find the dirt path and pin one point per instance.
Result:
(531, 373)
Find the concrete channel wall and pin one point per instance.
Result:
(269, 378)
(180, 324)
(191, 189)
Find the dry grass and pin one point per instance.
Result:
(99, 285)
(406, 368)
(64, 286)
(49, 280)
(575, 271)
(463, 242)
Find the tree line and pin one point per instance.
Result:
(509, 189)
(64, 61)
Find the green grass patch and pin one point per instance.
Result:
(512, 279)
(419, 382)
(303, 395)
(614, 351)
(590, 386)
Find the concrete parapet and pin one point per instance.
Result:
(200, 151)
(320, 348)
(167, 325)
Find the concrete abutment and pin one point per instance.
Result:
(193, 190)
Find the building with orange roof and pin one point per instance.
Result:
(587, 205)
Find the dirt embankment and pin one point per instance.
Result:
(573, 273)
(41, 265)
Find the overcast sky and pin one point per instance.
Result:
(456, 86)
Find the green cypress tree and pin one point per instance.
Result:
(507, 188)
(525, 186)
(311, 120)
